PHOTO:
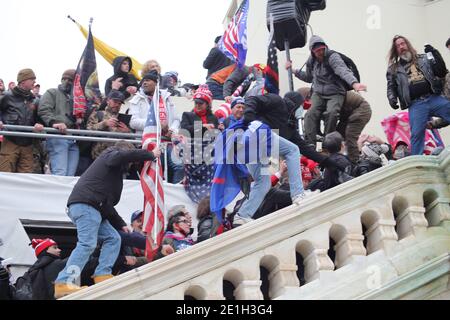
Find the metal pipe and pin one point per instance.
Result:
(68, 137)
(288, 58)
(166, 171)
(76, 132)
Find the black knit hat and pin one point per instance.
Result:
(116, 95)
(151, 75)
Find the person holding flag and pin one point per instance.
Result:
(91, 208)
(233, 44)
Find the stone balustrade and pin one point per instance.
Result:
(343, 243)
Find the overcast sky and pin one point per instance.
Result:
(38, 35)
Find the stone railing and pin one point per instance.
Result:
(348, 242)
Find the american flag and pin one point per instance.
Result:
(271, 83)
(151, 181)
(234, 41)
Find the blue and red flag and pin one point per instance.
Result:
(234, 41)
(255, 147)
(228, 171)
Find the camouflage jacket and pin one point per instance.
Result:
(97, 121)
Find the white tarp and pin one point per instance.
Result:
(44, 197)
(14, 245)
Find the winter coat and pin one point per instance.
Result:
(6, 289)
(101, 184)
(18, 108)
(279, 114)
(139, 105)
(128, 79)
(352, 102)
(234, 80)
(188, 120)
(43, 274)
(56, 106)
(215, 61)
(333, 177)
(205, 228)
(326, 76)
(398, 84)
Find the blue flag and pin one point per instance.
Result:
(230, 163)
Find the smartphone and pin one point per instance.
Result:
(125, 118)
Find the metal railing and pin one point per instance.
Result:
(79, 135)
(71, 134)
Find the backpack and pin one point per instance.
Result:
(349, 63)
(24, 287)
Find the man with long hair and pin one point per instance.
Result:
(416, 81)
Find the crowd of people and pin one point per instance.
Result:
(107, 246)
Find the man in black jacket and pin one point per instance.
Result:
(415, 80)
(17, 108)
(279, 114)
(91, 208)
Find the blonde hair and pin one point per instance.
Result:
(149, 65)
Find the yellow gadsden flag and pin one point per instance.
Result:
(110, 53)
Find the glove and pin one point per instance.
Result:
(393, 104)
(429, 48)
(4, 275)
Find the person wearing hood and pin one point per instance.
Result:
(122, 67)
(17, 108)
(55, 110)
(328, 74)
(91, 207)
(279, 114)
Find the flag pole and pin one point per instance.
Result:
(158, 132)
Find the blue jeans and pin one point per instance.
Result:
(90, 228)
(261, 176)
(419, 114)
(64, 155)
(175, 166)
(216, 90)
